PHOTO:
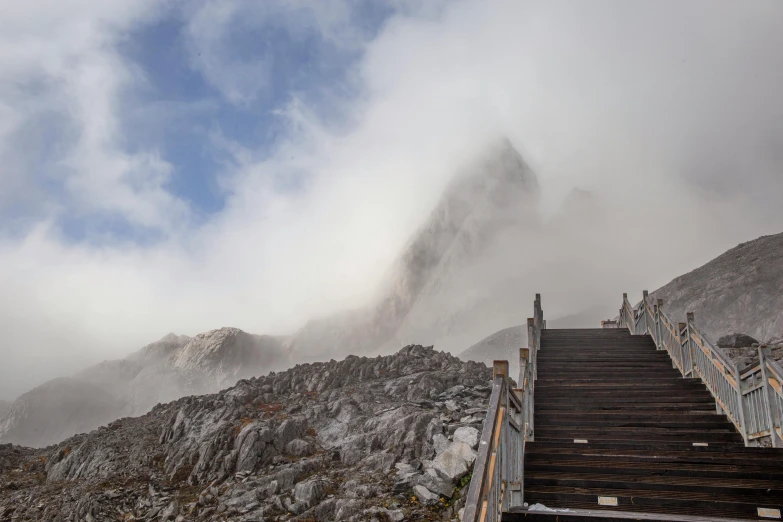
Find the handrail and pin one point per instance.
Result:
(496, 484)
(752, 399)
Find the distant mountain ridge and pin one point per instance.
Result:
(162, 371)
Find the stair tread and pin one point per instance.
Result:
(658, 478)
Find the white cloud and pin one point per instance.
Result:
(649, 104)
(60, 66)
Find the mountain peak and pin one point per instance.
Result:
(494, 193)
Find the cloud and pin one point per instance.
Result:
(667, 112)
(63, 84)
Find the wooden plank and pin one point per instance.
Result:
(776, 386)
(476, 488)
(483, 516)
(602, 514)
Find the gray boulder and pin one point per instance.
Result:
(468, 435)
(736, 340)
(455, 461)
(425, 495)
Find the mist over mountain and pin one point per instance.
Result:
(430, 294)
(160, 372)
(470, 269)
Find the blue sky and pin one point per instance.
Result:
(193, 123)
(181, 166)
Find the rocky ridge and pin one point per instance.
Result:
(385, 438)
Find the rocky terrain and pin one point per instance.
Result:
(160, 372)
(387, 439)
(740, 291)
(744, 356)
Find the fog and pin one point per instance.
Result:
(668, 114)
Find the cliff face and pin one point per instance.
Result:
(348, 440)
(160, 372)
(431, 295)
(740, 291)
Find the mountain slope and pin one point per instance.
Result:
(162, 371)
(351, 440)
(740, 291)
(426, 298)
(60, 406)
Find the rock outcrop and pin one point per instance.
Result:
(389, 438)
(737, 340)
(162, 371)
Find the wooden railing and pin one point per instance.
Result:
(752, 399)
(497, 481)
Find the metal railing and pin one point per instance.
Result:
(497, 481)
(752, 399)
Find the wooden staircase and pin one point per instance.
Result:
(621, 435)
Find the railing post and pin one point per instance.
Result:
(690, 350)
(499, 503)
(687, 351)
(657, 330)
(623, 315)
(532, 343)
(645, 293)
(526, 384)
(740, 403)
(773, 414)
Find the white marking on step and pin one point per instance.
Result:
(580, 441)
(768, 512)
(700, 444)
(607, 501)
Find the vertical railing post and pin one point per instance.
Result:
(658, 337)
(690, 349)
(524, 372)
(499, 504)
(740, 403)
(682, 328)
(645, 293)
(526, 384)
(773, 414)
(685, 351)
(532, 343)
(623, 315)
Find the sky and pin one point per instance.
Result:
(171, 166)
